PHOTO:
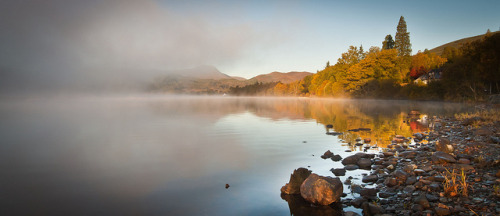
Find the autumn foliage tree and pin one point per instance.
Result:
(423, 62)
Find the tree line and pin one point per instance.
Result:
(467, 73)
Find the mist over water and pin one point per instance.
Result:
(106, 45)
(152, 154)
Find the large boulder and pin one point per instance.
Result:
(321, 190)
(296, 179)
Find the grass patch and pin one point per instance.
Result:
(455, 183)
(485, 116)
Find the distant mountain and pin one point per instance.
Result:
(280, 77)
(201, 72)
(238, 78)
(456, 44)
(209, 80)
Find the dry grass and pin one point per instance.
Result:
(455, 183)
(484, 116)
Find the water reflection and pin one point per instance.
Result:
(173, 155)
(300, 207)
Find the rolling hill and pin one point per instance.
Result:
(279, 77)
(456, 44)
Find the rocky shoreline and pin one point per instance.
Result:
(452, 170)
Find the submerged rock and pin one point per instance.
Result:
(321, 190)
(296, 179)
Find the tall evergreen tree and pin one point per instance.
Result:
(388, 43)
(402, 43)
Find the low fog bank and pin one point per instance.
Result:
(105, 45)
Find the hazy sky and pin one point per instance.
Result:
(69, 42)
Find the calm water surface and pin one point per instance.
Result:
(172, 155)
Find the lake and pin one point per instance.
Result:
(173, 155)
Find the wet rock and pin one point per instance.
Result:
(296, 179)
(411, 180)
(495, 139)
(409, 189)
(336, 158)
(400, 175)
(390, 182)
(351, 167)
(463, 161)
(418, 171)
(388, 154)
(357, 202)
(431, 198)
(327, 154)
(356, 188)
(444, 146)
(351, 213)
(369, 193)
(417, 208)
(338, 171)
(372, 209)
(385, 194)
(465, 167)
(442, 211)
(442, 157)
(321, 190)
(364, 163)
(418, 136)
(434, 187)
(364, 155)
(409, 168)
(370, 178)
(353, 159)
(408, 154)
(422, 200)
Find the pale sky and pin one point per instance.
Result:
(62, 42)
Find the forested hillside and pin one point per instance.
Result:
(469, 72)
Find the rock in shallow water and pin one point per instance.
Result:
(296, 179)
(364, 163)
(321, 190)
(338, 171)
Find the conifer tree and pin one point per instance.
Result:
(388, 43)
(402, 43)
